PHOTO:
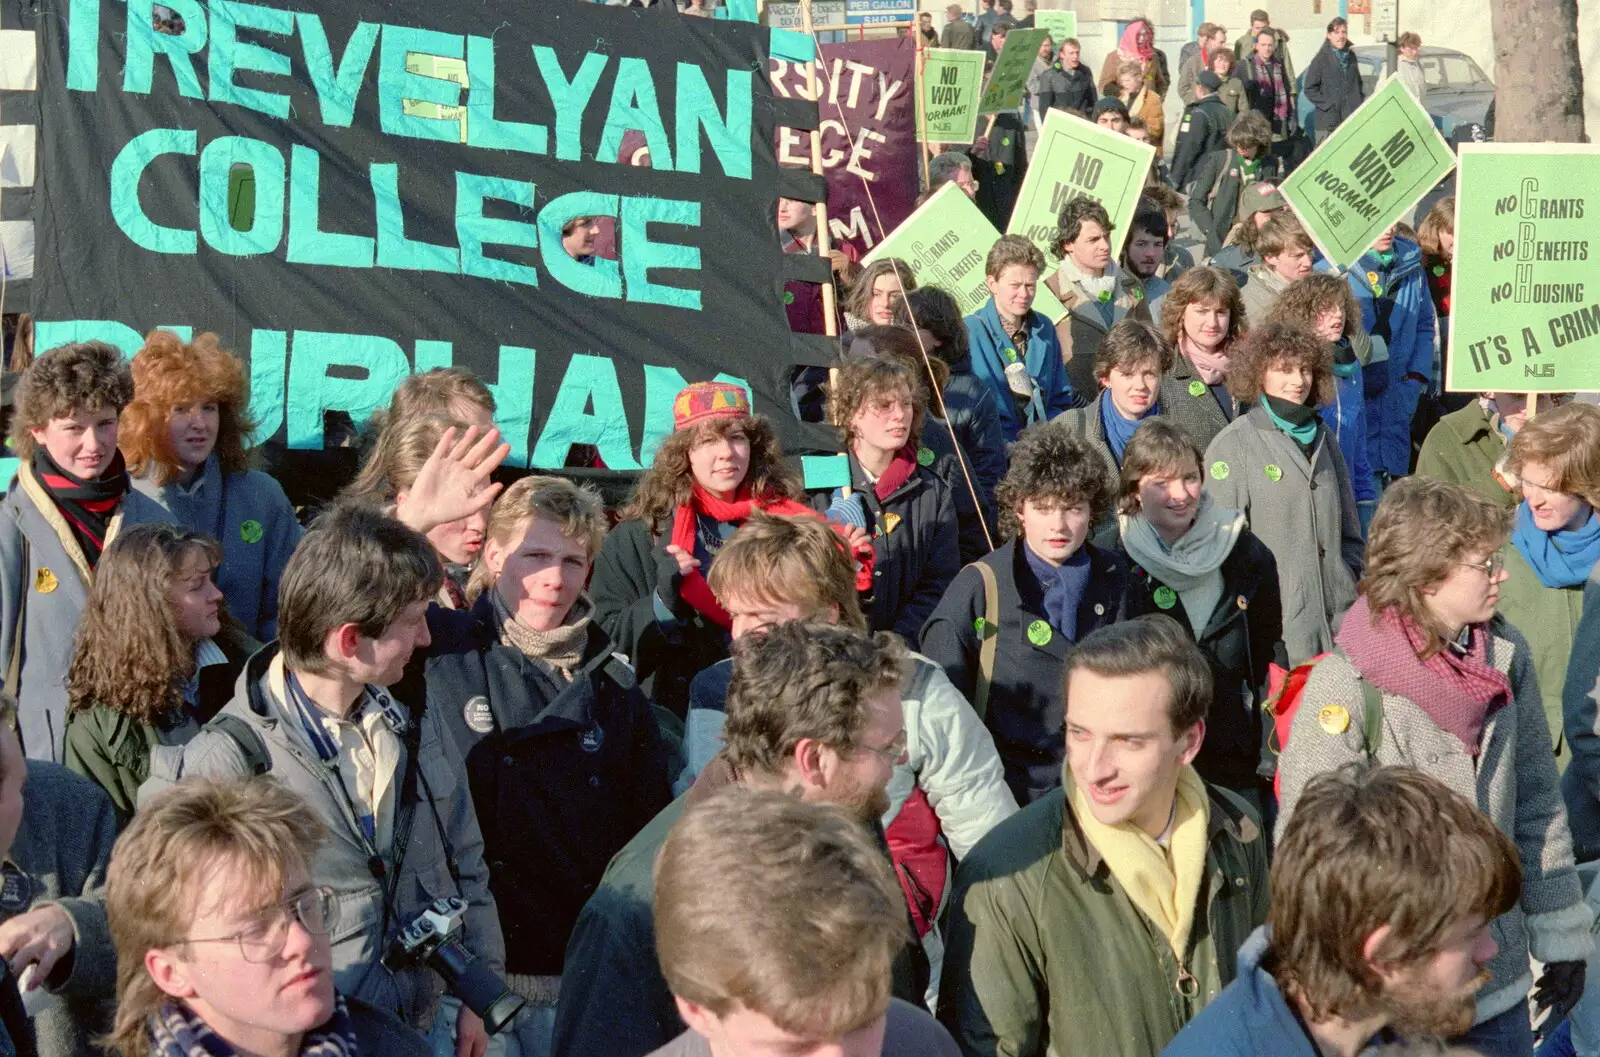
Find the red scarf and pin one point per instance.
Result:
(899, 472)
(693, 589)
(1458, 692)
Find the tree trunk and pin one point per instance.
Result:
(1538, 77)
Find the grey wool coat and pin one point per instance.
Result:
(1294, 504)
(254, 521)
(1513, 781)
(62, 848)
(44, 584)
(1191, 405)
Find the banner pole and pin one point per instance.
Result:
(920, 71)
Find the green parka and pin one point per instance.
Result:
(1548, 619)
(1462, 448)
(1047, 954)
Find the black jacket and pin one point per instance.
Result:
(562, 774)
(1204, 129)
(915, 537)
(1026, 710)
(1064, 89)
(1214, 198)
(1333, 91)
(623, 587)
(971, 405)
(1243, 637)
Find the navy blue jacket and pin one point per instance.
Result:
(1403, 319)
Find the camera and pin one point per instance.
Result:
(434, 940)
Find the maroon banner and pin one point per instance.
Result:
(869, 143)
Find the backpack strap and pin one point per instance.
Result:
(1371, 709)
(256, 758)
(13, 681)
(988, 638)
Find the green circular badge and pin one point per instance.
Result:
(1377, 291)
(1219, 471)
(1274, 472)
(788, 297)
(1009, 353)
(1039, 633)
(250, 532)
(1197, 388)
(925, 456)
(1005, 142)
(981, 627)
(1438, 269)
(1166, 598)
(1138, 293)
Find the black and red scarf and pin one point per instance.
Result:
(88, 506)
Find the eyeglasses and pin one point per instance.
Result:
(263, 939)
(894, 752)
(1490, 567)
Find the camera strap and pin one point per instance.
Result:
(390, 886)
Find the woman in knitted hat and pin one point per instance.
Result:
(650, 594)
(553, 728)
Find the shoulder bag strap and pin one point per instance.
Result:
(989, 639)
(13, 681)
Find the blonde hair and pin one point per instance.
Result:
(722, 947)
(578, 511)
(1422, 528)
(403, 447)
(1565, 440)
(253, 830)
(799, 560)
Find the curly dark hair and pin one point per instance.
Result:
(1305, 299)
(665, 486)
(1069, 224)
(933, 309)
(1130, 343)
(1050, 463)
(130, 655)
(1250, 131)
(1203, 283)
(63, 381)
(866, 377)
(1279, 343)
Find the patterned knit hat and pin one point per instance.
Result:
(707, 400)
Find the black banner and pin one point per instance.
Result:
(408, 166)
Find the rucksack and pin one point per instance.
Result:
(1283, 701)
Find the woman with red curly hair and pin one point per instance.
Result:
(184, 436)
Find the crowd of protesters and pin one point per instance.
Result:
(1181, 675)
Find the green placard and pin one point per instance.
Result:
(1363, 178)
(951, 81)
(946, 243)
(1525, 294)
(1009, 77)
(1059, 24)
(1079, 159)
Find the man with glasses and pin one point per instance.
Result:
(814, 711)
(222, 940)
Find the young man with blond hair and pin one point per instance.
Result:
(745, 979)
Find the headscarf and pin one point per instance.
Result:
(1129, 47)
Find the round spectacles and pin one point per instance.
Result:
(1490, 566)
(262, 940)
(894, 752)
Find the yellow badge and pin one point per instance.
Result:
(45, 581)
(891, 522)
(1334, 719)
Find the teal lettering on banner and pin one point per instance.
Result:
(473, 229)
(124, 337)
(266, 226)
(483, 128)
(336, 92)
(568, 98)
(394, 249)
(269, 368)
(229, 54)
(126, 170)
(697, 111)
(588, 410)
(643, 254)
(144, 43)
(633, 106)
(312, 390)
(83, 45)
(308, 243)
(600, 277)
(396, 83)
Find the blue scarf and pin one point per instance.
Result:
(1119, 430)
(1560, 559)
(1063, 588)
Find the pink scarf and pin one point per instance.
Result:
(1210, 366)
(1457, 691)
(1128, 46)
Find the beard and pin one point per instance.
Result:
(868, 803)
(1418, 1007)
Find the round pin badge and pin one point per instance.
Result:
(925, 456)
(788, 297)
(1219, 471)
(1039, 633)
(1377, 291)
(44, 581)
(1166, 598)
(1273, 471)
(479, 717)
(1438, 270)
(980, 627)
(1334, 719)
(250, 531)
(1197, 388)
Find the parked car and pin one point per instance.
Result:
(1459, 92)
